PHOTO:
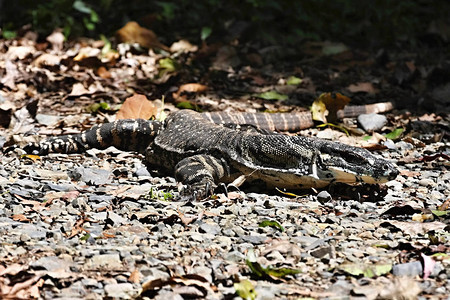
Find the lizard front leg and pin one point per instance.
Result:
(200, 173)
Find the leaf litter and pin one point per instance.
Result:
(119, 240)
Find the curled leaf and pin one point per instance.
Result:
(245, 289)
(273, 224)
(395, 134)
(327, 106)
(272, 95)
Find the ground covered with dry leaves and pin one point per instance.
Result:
(100, 225)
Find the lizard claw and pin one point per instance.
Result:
(225, 188)
(198, 191)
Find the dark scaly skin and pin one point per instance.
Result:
(202, 154)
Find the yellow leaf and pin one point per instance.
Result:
(327, 105)
(31, 156)
(245, 289)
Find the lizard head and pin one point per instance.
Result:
(343, 163)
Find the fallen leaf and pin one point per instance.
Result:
(327, 106)
(137, 107)
(135, 276)
(185, 280)
(394, 134)
(19, 52)
(20, 218)
(189, 88)
(103, 73)
(13, 269)
(12, 73)
(183, 46)
(245, 289)
(414, 228)
(272, 95)
(262, 272)
(273, 224)
(32, 157)
(78, 89)
(133, 33)
(445, 205)
(366, 270)
(365, 87)
(46, 60)
(294, 80)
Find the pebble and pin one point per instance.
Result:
(372, 122)
(129, 231)
(109, 261)
(119, 290)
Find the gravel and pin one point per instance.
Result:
(75, 227)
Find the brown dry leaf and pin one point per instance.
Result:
(78, 89)
(183, 46)
(226, 59)
(186, 280)
(327, 104)
(365, 87)
(133, 33)
(19, 52)
(445, 205)
(283, 247)
(135, 276)
(87, 52)
(137, 107)
(12, 269)
(46, 59)
(186, 220)
(415, 228)
(189, 88)
(430, 117)
(20, 218)
(107, 235)
(9, 80)
(192, 88)
(408, 173)
(77, 227)
(103, 73)
(36, 204)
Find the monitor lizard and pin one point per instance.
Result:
(202, 154)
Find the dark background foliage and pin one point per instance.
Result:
(364, 23)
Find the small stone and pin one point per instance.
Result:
(408, 269)
(372, 122)
(323, 197)
(254, 239)
(116, 219)
(235, 256)
(52, 263)
(212, 228)
(24, 237)
(142, 172)
(109, 261)
(119, 290)
(427, 182)
(90, 282)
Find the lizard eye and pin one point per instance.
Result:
(352, 158)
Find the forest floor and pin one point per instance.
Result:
(100, 225)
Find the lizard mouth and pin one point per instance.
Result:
(345, 176)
